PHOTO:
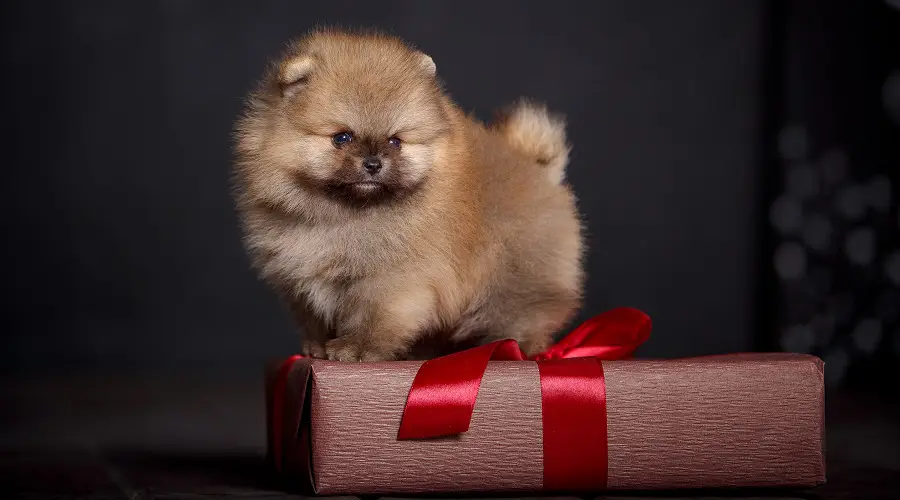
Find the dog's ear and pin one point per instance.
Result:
(427, 63)
(293, 74)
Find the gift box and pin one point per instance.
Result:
(582, 416)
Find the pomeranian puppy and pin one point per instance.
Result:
(383, 215)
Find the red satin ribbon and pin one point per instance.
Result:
(573, 395)
(612, 335)
(573, 408)
(442, 395)
(278, 395)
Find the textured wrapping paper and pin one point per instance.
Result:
(742, 420)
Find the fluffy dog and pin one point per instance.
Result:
(386, 217)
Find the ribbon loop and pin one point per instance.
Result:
(615, 334)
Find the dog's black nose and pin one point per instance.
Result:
(372, 165)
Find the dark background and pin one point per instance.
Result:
(736, 162)
(124, 242)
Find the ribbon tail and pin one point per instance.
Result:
(442, 396)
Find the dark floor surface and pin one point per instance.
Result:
(177, 440)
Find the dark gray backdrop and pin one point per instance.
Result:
(120, 239)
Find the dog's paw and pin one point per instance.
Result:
(313, 349)
(352, 348)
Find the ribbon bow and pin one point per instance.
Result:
(573, 394)
(442, 396)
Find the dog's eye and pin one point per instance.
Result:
(342, 138)
(393, 141)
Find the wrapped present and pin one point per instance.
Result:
(581, 416)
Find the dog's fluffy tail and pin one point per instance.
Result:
(530, 129)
